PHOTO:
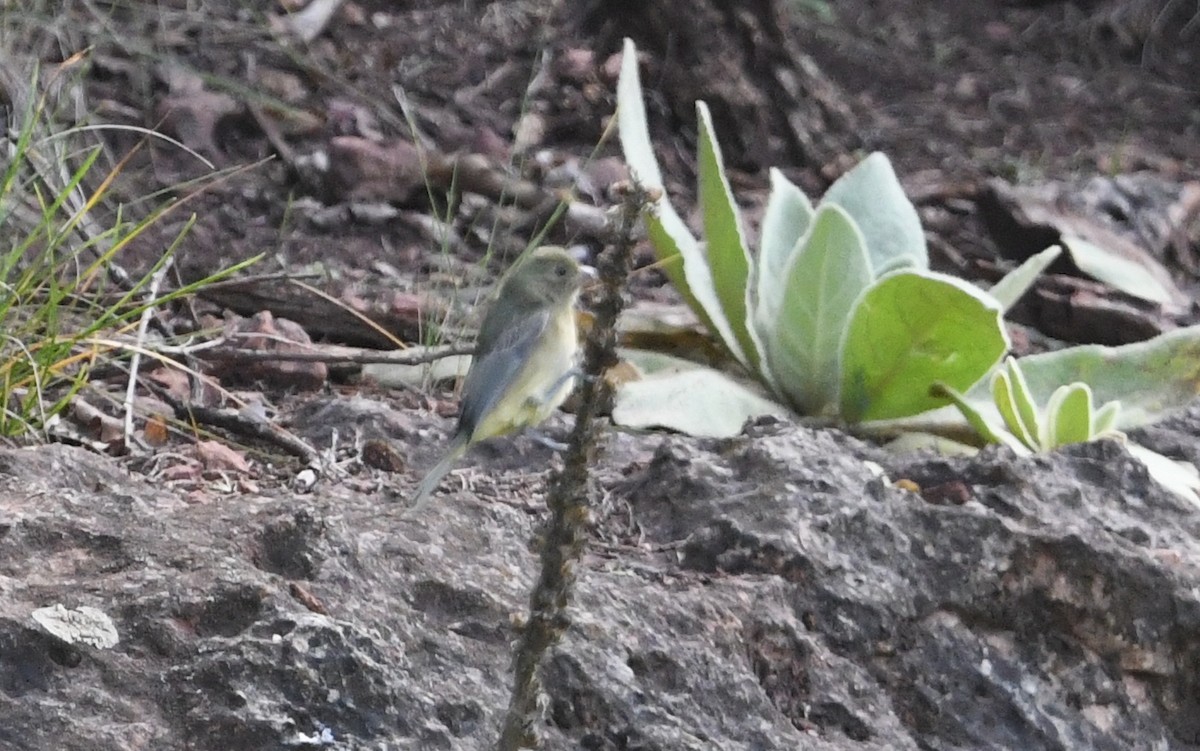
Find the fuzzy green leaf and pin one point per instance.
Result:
(909, 330)
(1150, 378)
(1026, 405)
(1105, 420)
(671, 264)
(1018, 281)
(787, 217)
(1006, 404)
(975, 418)
(728, 258)
(684, 262)
(828, 271)
(1068, 416)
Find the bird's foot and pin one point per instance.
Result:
(541, 438)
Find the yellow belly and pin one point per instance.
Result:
(541, 385)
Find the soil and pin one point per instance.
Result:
(953, 93)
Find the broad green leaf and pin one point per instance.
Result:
(1147, 279)
(828, 271)
(1006, 405)
(1068, 416)
(1027, 406)
(787, 217)
(728, 258)
(683, 261)
(1018, 281)
(871, 194)
(699, 402)
(909, 330)
(1149, 378)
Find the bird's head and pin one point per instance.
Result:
(548, 274)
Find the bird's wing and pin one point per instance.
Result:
(493, 374)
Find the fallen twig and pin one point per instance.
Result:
(339, 355)
(249, 426)
(140, 339)
(240, 423)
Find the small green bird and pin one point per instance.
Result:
(524, 364)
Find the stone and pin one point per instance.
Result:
(769, 591)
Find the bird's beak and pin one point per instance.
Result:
(588, 277)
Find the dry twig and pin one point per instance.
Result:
(563, 539)
(136, 361)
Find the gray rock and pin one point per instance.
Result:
(765, 592)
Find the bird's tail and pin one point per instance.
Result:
(458, 447)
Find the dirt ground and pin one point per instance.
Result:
(952, 93)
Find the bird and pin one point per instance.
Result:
(524, 364)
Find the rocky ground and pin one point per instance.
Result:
(776, 590)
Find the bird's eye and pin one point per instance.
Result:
(560, 270)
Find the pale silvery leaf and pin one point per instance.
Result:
(1018, 281)
(1181, 478)
(827, 272)
(684, 261)
(1147, 280)
(787, 217)
(871, 194)
(699, 402)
